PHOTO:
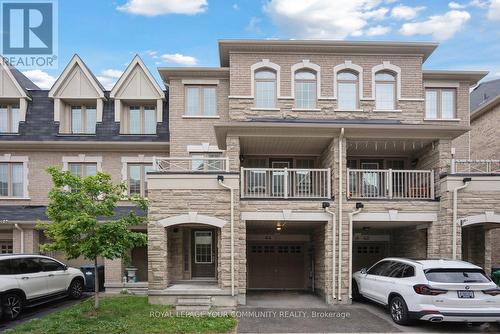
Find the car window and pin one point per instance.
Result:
(5, 267)
(456, 275)
(26, 265)
(50, 265)
(395, 270)
(379, 268)
(409, 271)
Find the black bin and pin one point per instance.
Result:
(89, 272)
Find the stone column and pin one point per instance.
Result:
(157, 256)
(113, 270)
(233, 152)
(31, 240)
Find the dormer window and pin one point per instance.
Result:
(83, 119)
(265, 89)
(305, 89)
(9, 118)
(141, 120)
(385, 90)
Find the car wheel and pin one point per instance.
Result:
(75, 290)
(399, 311)
(12, 305)
(356, 296)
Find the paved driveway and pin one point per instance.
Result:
(292, 312)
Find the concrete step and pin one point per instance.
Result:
(194, 301)
(192, 308)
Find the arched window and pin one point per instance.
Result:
(265, 88)
(385, 90)
(305, 89)
(348, 90)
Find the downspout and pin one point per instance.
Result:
(220, 178)
(341, 198)
(466, 182)
(359, 206)
(22, 236)
(326, 206)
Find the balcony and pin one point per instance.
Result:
(459, 166)
(285, 183)
(390, 184)
(191, 165)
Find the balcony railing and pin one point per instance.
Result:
(206, 165)
(459, 166)
(390, 184)
(285, 183)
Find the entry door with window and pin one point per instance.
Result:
(278, 178)
(203, 254)
(373, 181)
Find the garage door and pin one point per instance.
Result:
(366, 254)
(276, 266)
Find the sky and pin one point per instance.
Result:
(107, 34)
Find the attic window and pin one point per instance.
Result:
(9, 118)
(83, 119)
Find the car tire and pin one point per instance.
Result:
(75, 290)
(12, 306)
(399, 311)
(356, 296)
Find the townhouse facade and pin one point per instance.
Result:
(290, 166)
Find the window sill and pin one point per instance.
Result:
(384, 110)
(265, 109)
(15, 198)
(77, 134)
(348, 110)
(443, 119)
(201, 116)
(9, 133)
(139, 134)
(302, 109)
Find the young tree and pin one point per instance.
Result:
(83, 222)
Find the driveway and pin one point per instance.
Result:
(40, 311)
(293, 312)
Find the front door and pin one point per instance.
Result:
(278, 177)
(373, 181)
(203, 254)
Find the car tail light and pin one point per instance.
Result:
(492, 292)
(423, 289)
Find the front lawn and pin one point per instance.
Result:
(124, 314)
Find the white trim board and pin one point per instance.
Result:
(395, 216)
(286, 215)
(192, 218)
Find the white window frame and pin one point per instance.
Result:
(307, 65)
(439, 110)
(201, 102)
(82, 158)
(265, 63)
(387, 66)
(211, 248)
(346, 66)
(8, 158)
(356, 82)
(142, 119)
(255, 80)
(10, 107)
(83, 109)
(137, 160)
(395, 88)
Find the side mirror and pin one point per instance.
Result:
(363, 271)
(65, 267)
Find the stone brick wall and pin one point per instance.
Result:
(193, 131)
(485, 135)
(409, 242)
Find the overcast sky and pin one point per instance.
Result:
(106, 34)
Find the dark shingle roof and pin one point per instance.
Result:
(32, 213)
(484, 93)
(23, 81)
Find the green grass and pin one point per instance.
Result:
(123, 314)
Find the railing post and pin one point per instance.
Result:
(155, 164)
(389, 182)
(432, 184)
(285, 186)
(348, 181)
(242, 182)
(227, 164)
(329, 184)
(453, 166)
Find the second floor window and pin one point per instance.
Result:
(440, 103)
(83, 169)
(385, 91)
(9, 119)
(201, 101)
(11, 179)
(305, 90)
(83, 119)
(142, 120)
(265, 89)
(137, 179)
(348, 90)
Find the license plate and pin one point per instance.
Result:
(465, 294)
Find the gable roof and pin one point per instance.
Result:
(22, 83)
(77, 61)
(137, 61)
(484, 93)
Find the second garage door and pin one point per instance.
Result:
(276, 266)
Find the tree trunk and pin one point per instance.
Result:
(96, 285)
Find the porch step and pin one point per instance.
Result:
(194, 304)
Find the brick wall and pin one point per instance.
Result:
(485, 135)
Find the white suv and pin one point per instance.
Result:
(432, 290)
(28, 280)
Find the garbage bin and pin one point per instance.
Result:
(89, 272)
(495, 275)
